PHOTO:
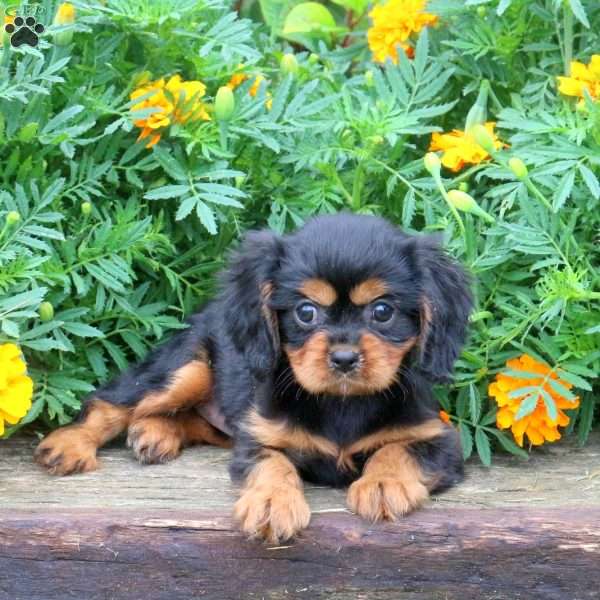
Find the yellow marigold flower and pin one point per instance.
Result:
(582, 78)
(175, 101)
(393, 24)
(16, 388)
(460, 148)
(65, 14)
(537, 425)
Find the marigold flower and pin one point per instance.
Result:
(537, 425)
(65, 14)
(582, 78)
(460, 147)
(176, 101)
(444, 416)
(393, 23)
(16, 388)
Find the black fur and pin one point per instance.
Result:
(245, 330)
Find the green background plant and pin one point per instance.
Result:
(124, 241)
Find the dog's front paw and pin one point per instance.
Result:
(275, 514)
(378, 498)
(66, 451)
(155, 440)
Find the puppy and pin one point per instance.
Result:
(315, 362)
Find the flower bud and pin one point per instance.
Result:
(86, 208)
(466, 203)
(141, 78)
(239, 181)
(46, 312)
(482, 11)
(432, 163)
(313, 58)
(289, 64)
(376, 140)
(518, 167)
(224, 103)
(65, 15)
(478, 112)
(28, 132)
(463, 186)
(13, 217)
(483, 138)
(369, 78)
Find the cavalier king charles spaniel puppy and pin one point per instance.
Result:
(315, 362)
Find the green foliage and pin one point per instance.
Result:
(123, 241)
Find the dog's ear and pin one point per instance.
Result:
(446, 303)
(248, 285)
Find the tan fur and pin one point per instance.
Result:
(380, 362)
(72, 449)
(272, 504)
(425, 317)
(367, 291)
(190, 385)
(319, 291)
(160, 439)
(281, 435)
(392, 485)
(407, 435)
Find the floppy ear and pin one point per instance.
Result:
(248, 285)
(446, 303)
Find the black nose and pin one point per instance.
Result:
(344, 360)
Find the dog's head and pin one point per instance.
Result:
(348, 301)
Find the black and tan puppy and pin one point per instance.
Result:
(317, 359)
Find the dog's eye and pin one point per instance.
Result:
(382, 312)
(306, 313)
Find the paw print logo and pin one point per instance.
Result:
(24, 31)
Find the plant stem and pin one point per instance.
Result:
(357, 186)
(568, 39)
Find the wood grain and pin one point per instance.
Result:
(518, 531)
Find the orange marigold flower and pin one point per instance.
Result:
(582, 78)
(393, 23)
(460, 147)
(174, 101)
(537, 425)
(444, 416)
(238, 78)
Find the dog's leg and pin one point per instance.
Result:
(399, 477)
(161, 438)
(392, 484)
(272, 504)
(174, 377)
(72, 449)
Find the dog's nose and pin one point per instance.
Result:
(344, 360)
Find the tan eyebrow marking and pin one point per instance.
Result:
(319, 291)
(367, 291)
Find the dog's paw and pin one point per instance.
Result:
(379, 498)
(275, 514)
(66, 451)
(155, 440)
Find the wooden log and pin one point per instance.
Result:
(450, 554)
(522, 530)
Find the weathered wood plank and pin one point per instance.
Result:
(560, 475)
(447, 553)
(518, 531)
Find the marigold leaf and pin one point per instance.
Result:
(482, 443)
